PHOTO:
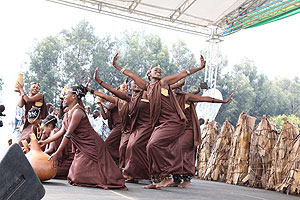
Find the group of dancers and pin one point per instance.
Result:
(154, 131)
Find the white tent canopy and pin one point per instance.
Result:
(192, 16)
(198, 17)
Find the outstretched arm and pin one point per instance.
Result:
(177, 85)
(102, 111)
(53, 137)
(76, 118)
(194, 98)
(140, 82)
(102, 95)
(169, 80)
(198, 90)
(116, 92)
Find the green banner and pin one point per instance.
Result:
(278, 17)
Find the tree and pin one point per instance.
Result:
(294, 98)
(79, 44)
(44, 67)
(183, 58)
(243, 100)
(279, 120)
(139, 51)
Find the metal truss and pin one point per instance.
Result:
(131, 13)
(182, 8)
(211, 69)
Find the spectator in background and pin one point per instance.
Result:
(18, 123)
(88, 112)
(50, 108)
(96, 122)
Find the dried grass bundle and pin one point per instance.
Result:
(218, 161)
(240, 148)
(262, 143)
(209, 134)
(281, 153)
(291, 180)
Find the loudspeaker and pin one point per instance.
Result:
(17, 178)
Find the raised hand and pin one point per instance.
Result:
(127, 79)
(203, 62)
(42, 143)
(87, 83)
(95, 75)
(198, 83)
(229, 98)
(19, 86)
(115, 58)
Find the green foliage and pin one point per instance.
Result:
(139, 51)
(279, 120)
(44, 67)
(184, 59)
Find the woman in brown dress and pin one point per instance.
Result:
(92, 165)
(122, 106)
(65, 158)
(35, 99)
(112, 142)
(139, 131)
(168, 120)
(192, 135)
(137, 165)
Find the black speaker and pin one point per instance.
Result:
(17, 178)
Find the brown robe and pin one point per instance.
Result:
(27, 128)
(163, 149)
(65, 158)
(141, 130)
(93, 165)
(112, 142)
(189, 140)
(123, 108)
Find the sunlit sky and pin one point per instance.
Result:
(274, 48)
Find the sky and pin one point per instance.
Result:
(274, 47)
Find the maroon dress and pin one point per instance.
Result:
(93, 165)
(164, 149)
(189, 140)
(123, 107)
(141, 130)
(113, 140)
(27, 128)
(65, 158)
(187, 144)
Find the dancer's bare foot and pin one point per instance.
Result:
(173, 184)
(124, 188)
(185, 184)
(165, 181)
(152, 186)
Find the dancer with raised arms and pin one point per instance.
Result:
(167, 119)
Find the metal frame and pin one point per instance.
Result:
(130, 13)
(211, 69)
(236, 20)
